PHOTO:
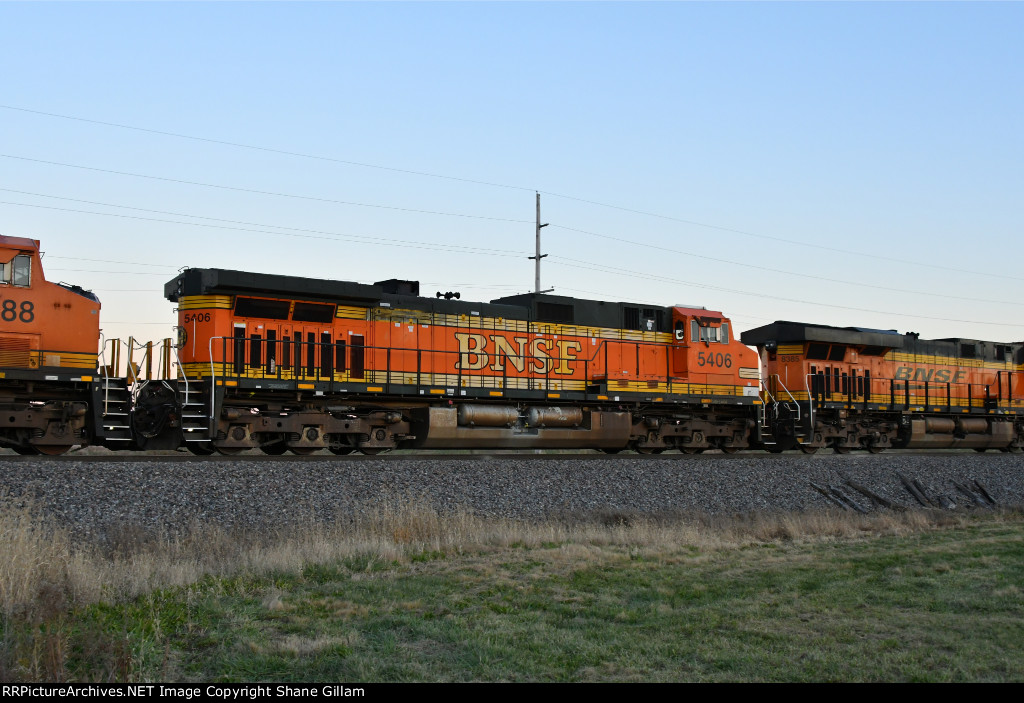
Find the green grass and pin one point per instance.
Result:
(944, 602)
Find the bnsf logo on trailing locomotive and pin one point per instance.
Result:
(907, 373)
(539, 355)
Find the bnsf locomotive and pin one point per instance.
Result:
(281, 363)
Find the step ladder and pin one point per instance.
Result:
(114, 401)
(195, 416)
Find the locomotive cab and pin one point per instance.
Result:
(704, 350)
(49, 335)
(42, 324)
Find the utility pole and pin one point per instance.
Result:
(539, 256)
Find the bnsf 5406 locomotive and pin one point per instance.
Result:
(293, 363)
(282, 363)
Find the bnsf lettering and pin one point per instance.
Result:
(478, 351)
(907, 373)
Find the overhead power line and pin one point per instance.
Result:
(515, 253)
(589, 266)
(283, 152)
(635, 211)
(305, 234)
(261, 192)
(828, 279)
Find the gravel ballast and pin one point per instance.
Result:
(94, 497)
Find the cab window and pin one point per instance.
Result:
(709, 334)
(22, 271)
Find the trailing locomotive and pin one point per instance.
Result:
(281, 363)
(852, 388)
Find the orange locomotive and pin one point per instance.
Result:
(49, 336)
(284, 363)
(853, 388)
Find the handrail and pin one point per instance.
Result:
(213, 385)
(775, 403)
(798, 414)
(103, 367)
(810, 403)
(532, 367)
(177, 361)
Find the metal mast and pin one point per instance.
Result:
(539, 256)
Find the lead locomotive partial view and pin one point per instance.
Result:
(281, 363)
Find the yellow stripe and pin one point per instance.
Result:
(500, 324)
(352, 313)
(790, 349)
(194, 302)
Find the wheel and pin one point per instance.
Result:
(302, 451)
(873, 449)
(807, 449)
(842, 450)
(691, 450)
(53, 449)
(371, 451)
(616, 450)
(200, 448)
(341, 451)
(981, 450)
(774, 449)
(274, 449)
(25, 449)
(729, 450)
(230, 451)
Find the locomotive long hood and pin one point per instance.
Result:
(225, 281)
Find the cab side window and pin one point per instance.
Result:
(21, 271)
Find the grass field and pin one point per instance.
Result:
(410, 595)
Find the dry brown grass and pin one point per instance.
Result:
(43, 570)
(44, 574)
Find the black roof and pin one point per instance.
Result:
(391, 293)
(396, 293)
(782, 332)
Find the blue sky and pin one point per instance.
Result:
(844, 163)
